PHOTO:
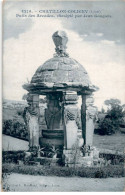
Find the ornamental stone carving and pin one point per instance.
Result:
(53, 113)
(60, 40)
(70, 118)
(91, 113)
(91, 117)
(31, 117)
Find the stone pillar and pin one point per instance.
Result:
(70, 116)
(31, 115)
(83, 117)
(88, 117)
(91, 113)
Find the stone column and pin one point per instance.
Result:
(91, 113)
(70, 116)
(32, 120)
(83, 117)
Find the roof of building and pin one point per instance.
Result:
(61, 71)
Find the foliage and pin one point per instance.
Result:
(15, 129)
(7, 126)
(51, 151)
(20, 112)
(12, 156)
(89, 172)
(106, 127)
(85, 149)
(112, 102)
(116, 159)
(113, 119)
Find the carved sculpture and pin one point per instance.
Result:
(70, 118)
(61, 79)
(91, 113)
(91, 117)
(60, 40)
(31, 118)
(53, 113)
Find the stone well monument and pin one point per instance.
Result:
(62, 80)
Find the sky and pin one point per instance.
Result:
(97, 43)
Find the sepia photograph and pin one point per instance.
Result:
(63, 96)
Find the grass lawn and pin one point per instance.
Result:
(10, 114)
(13, 144)
(112, 142)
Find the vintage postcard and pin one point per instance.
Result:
(63, 98)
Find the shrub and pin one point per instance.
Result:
(113, 119)
(20, 112)
(12, 156)
(106, 127)
(7, 126)
(116, 114)
(15, 129)
(89, 172)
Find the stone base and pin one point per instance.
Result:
(47, 161)
(71, 156)
(55, 142)
(86, 161)
(74, 158)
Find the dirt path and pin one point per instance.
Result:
(19, 182)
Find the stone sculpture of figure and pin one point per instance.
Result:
(53, 113)
(42, 122)
(91, 117)
(91, 113)
(31, 117)
(71, 119)
(71, 114)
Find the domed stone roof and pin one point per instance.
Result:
(60, 72)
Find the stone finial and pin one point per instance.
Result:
(60, 40)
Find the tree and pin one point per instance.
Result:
(112, 102)
(114, 117)
(106, 127)
(123, 106)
